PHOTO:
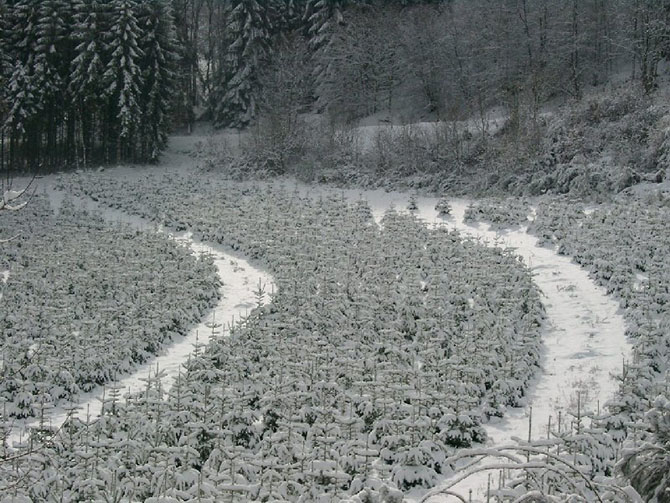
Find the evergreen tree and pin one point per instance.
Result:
(123, 78)
(290, 12)
(5, 74)
(22, 93)
(320, 19)
(86, 85)
(53, 50)
(158, 46)
(186, 15)
(246, 40)
(5, 65)
(647, 465)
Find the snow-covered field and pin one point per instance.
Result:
(242, 282)
(584, 340)
(584, 343)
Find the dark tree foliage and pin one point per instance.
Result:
(85, 81)
(246, 36)
(523, 53)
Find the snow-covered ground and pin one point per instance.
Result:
(4, 276)
(584, 341)
(241, 283)
(367, 133)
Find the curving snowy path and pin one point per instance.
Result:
(584, 341)
(239, 295)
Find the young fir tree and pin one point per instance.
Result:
(123, 78)
(158, 45)
(647, 463)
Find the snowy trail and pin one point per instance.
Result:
(239, 294)
(583, 344)
(584, 341)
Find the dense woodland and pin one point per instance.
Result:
(103, 81)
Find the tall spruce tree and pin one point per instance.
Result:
(123, 78)
(187, 18)
(5, 66)
(87, 67)
(246, 41)
(84, 81)
(320, 19)
(158, 45)
(22, 92)
(53, 52)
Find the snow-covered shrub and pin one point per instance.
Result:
(646, 459)
(85, 302)
(500, 213)
(443, 207)
(374, 362)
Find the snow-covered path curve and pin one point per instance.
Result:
(584, 341)
(239, 295)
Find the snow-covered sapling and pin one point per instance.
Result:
(443, 208)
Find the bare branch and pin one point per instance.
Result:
(10, 197)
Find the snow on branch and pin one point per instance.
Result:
(10, 198)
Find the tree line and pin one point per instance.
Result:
(90, 81)
(85, 81)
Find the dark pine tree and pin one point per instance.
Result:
(123, 80)
(159, 46)
(22, 93)
(5, 69)
(247, 34)
(86, 86)
(319, 21)
(53, 53)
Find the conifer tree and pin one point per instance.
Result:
(53, 50)
(158, 45)
(5, 65)
(246, 41)
(123, 78)
(320, 19)
(22, 94)
(86, 84)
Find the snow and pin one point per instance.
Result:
(9, 196)
(367, 134)
(584, 341)
(241, 281)
(641, 280)
(4, 276)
